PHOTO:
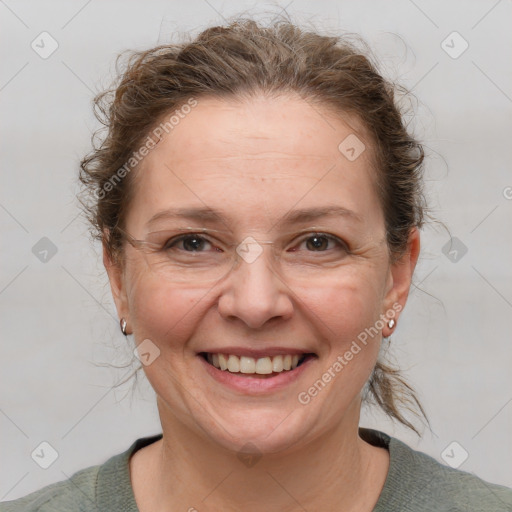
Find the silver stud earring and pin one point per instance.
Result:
(123, 324)
(391, 323)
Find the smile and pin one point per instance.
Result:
(249, 365)
(256, 371)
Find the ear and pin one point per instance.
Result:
(117, 286)
(400, 279)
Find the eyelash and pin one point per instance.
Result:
(175, 240)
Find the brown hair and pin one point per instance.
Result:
(245, 58)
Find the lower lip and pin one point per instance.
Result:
(256, 385)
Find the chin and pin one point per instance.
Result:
(271, 430)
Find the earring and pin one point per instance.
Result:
(391, 323)
(123, 324)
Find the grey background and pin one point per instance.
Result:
(57, 317)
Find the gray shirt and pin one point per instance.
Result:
(415, 483)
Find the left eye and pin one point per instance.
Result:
(320, 242)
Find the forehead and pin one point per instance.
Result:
(253, 127)
(245, 154)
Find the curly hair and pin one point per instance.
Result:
(243, 58)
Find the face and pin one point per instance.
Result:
(309, 295)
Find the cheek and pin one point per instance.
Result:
(163, 312)
(344, 316)
(346, 307)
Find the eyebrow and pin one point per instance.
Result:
(298, 216)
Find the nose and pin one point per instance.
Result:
(254, 293)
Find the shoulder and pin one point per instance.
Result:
(105, 487)
(416, 482)
(431, 483)
(457, 488)
(77, 494)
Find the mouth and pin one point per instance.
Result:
(263, 366)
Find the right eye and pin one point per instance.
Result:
(188, 243)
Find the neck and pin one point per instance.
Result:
(336, 467)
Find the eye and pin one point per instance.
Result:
(189, 243)
(321, 242)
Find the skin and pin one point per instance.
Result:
(256, 159)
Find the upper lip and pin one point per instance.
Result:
(257, 353)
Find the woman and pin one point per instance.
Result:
(259, 202)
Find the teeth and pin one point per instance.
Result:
(247, 365)
(261, 366)
(223, 362)
(233, 364)
(277, 364)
